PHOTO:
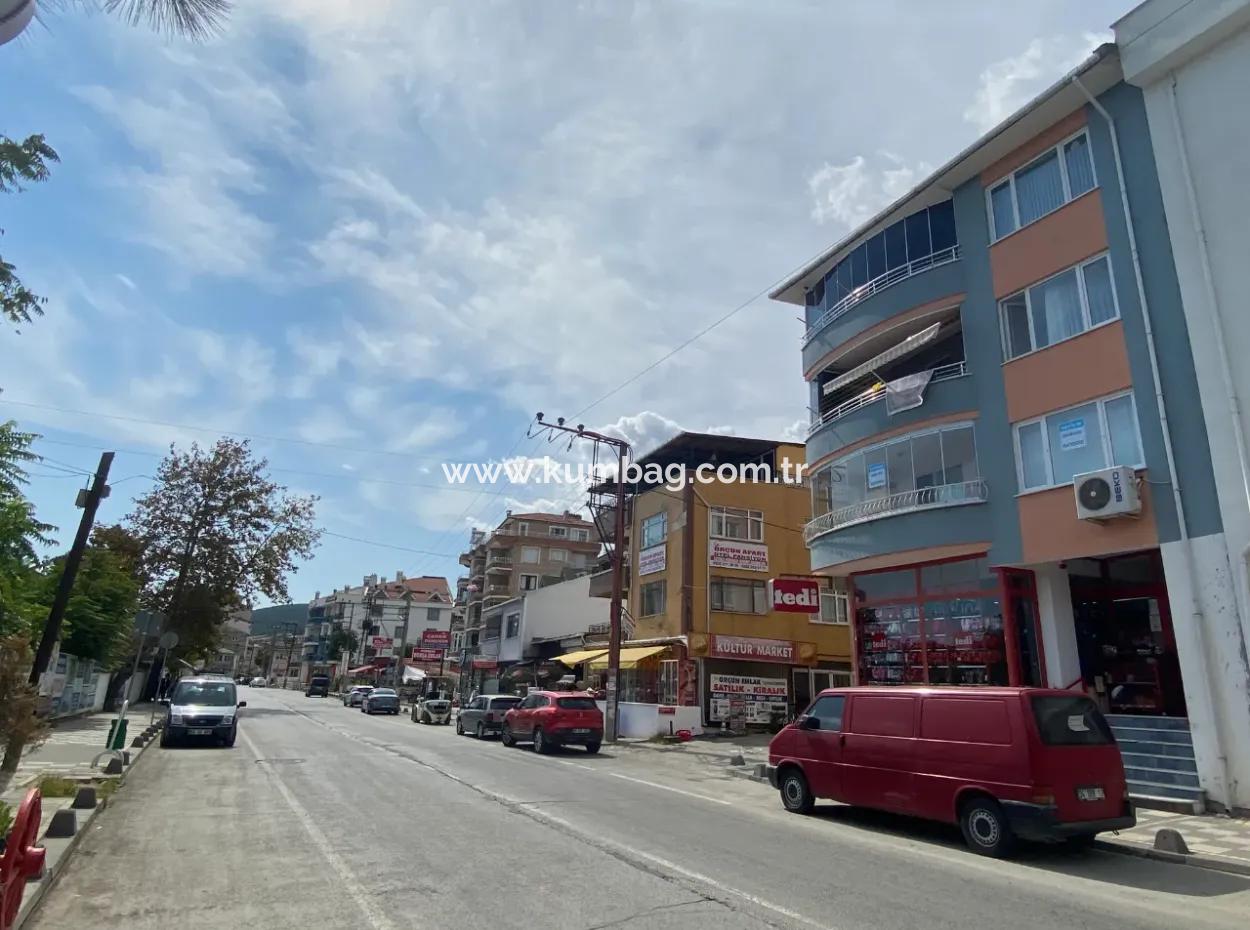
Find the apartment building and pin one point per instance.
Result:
(1011, 471)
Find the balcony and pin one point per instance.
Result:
(499, 564)
(893, 505)
(498, 590)
(837, 412)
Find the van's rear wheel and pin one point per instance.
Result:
(796, 796)
(985, 828)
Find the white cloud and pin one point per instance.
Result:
(850, 194)
(1007, 85)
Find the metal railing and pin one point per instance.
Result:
(942, 373)
(943, 495)
(878, 284)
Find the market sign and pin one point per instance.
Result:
(733, 553)
(754, 649)
(653, 560)
(756, 699)
(436, 639)
(794, 595)
(420, 654)
(382, 642)
(485, 663)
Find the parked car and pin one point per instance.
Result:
(484, 714)
(432, 708)
(355, 695)
(202, 709)
(258, 682)
(318, 686)
(380, 701)
(1002, 763)
(549, 719)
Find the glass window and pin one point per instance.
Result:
(942, 225)
(1033, 456)
(557, 555)
(513, 626)
(1003, 210)
(859, 266)
(432, 614)
(886, 584)
(877, 478)
(737, 595)
(558, 531)
(1122, 427)
(926, 453)
(898, 466)
(530, 554)
(1039, 188)
(529, 582)
(959, 455)
(1080, 166)
(834, 608)
(1076, 445)
(845, 281)
(1016, 326)
(896, 246)
(581, 535)
(1099, 291)
(523, 529)
(1056, 307)
(822, 492)
(732, 523)
(918, 244)
(828, 710)
(652, 598)
(852, 488)
(654, 529)
(1070, 721)
(876, 256)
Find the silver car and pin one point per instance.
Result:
(484, 714)
(356, 695)
(433, 708)
(202, 708)
(380, 701)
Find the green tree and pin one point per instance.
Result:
(100, 616)
(341, 641)
(216, 532)
(20, 725)
(24, 162)
(20, 530)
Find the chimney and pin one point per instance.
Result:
(317, 596)
(399, 577)
(570, 515)
(370, 580)
(383, 579)
(508, 514)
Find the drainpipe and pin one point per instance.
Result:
(1183, 527)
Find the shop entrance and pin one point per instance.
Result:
(809, 682)
(1124, 634)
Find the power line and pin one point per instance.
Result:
(374, 542)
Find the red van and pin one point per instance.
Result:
(1003, 763)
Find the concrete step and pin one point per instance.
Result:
(1174, 805)
(1161, 777)
(1140, 735)
(1148, 748)
(1163, 790)
(1138, 760)
(1143, 721)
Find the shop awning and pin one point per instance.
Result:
(629, 657)
(362, 670)
(577, 658)
(904, 348)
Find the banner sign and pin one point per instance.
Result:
(795, 595)
(486, 663)
(753, 649)
(732, 553)
(653, 560)
(421, 654)
(757, 699)
(440, 639)
(382, 642)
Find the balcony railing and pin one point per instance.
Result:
(878, 284)
(943, 373)
(893, 505)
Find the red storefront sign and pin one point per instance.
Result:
(436, 639)
(420, 654)
(752, 649)
(795, 595)
(485, 663)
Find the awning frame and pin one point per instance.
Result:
(894, 353)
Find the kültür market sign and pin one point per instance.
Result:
(753, 649)
(732, 553)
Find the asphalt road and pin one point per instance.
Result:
(323, 817)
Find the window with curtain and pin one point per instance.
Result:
(1064, 305)
(736, 595)
(1054, 449)
(913, 238)
(1057, 176)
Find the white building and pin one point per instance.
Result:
(549, 613)
(1192, 62)
(387, 618)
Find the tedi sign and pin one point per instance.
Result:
(795, 595)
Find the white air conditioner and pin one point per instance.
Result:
(1109, 492)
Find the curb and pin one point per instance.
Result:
(1212, 863)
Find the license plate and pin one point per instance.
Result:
(1090, 794)
(581, 730)
(200, 731)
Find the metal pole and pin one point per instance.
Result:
(618, 579)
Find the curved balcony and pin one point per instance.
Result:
(975, 491)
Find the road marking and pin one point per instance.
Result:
(576, 765)
(355, 890)
(654, 784)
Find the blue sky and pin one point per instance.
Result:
(378, 236)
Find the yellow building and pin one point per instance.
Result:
(702, 630)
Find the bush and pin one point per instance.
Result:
(20, 725)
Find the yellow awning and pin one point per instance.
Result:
(629, 657)
(577, 658)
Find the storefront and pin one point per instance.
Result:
(753, 680)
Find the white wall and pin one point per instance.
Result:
(563, 609)
(643, 721)
(1058, 627)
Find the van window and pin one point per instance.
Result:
(883, 716)
(1070, 721)
(828, 710)
(965, 720)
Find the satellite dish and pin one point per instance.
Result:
(15, 15)
(168, 640)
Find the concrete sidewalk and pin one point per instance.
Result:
(75, 742)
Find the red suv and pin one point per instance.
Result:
(554, 718)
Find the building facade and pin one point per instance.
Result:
(1003, 394)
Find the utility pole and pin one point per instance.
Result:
(618, 563)
(89, 501)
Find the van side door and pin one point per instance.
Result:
(818, 743)
(878, 752)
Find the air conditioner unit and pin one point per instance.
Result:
(1109, 492)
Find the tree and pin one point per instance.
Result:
(21, 162)
(215, 533)
(20, 531)
(20, 725)
(100, 617)
(342, 641)
(261, 657)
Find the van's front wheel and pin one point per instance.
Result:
(985, 828)
(796, 796)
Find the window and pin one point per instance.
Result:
(581, 535)
(828, 710)
(834, 608)
(668, 681)
(512, 626)
(578, 560)
(654, 529)
(1042, 186)
(530, 554)
(560, 532)
(652, 598)
(1053, 449)
(576, 703)
(739, 595)
(432, 614)
(523, 529)
(731, 523)
(558, 555)
(529, 582)
(1058, 308)
(1070, 721)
